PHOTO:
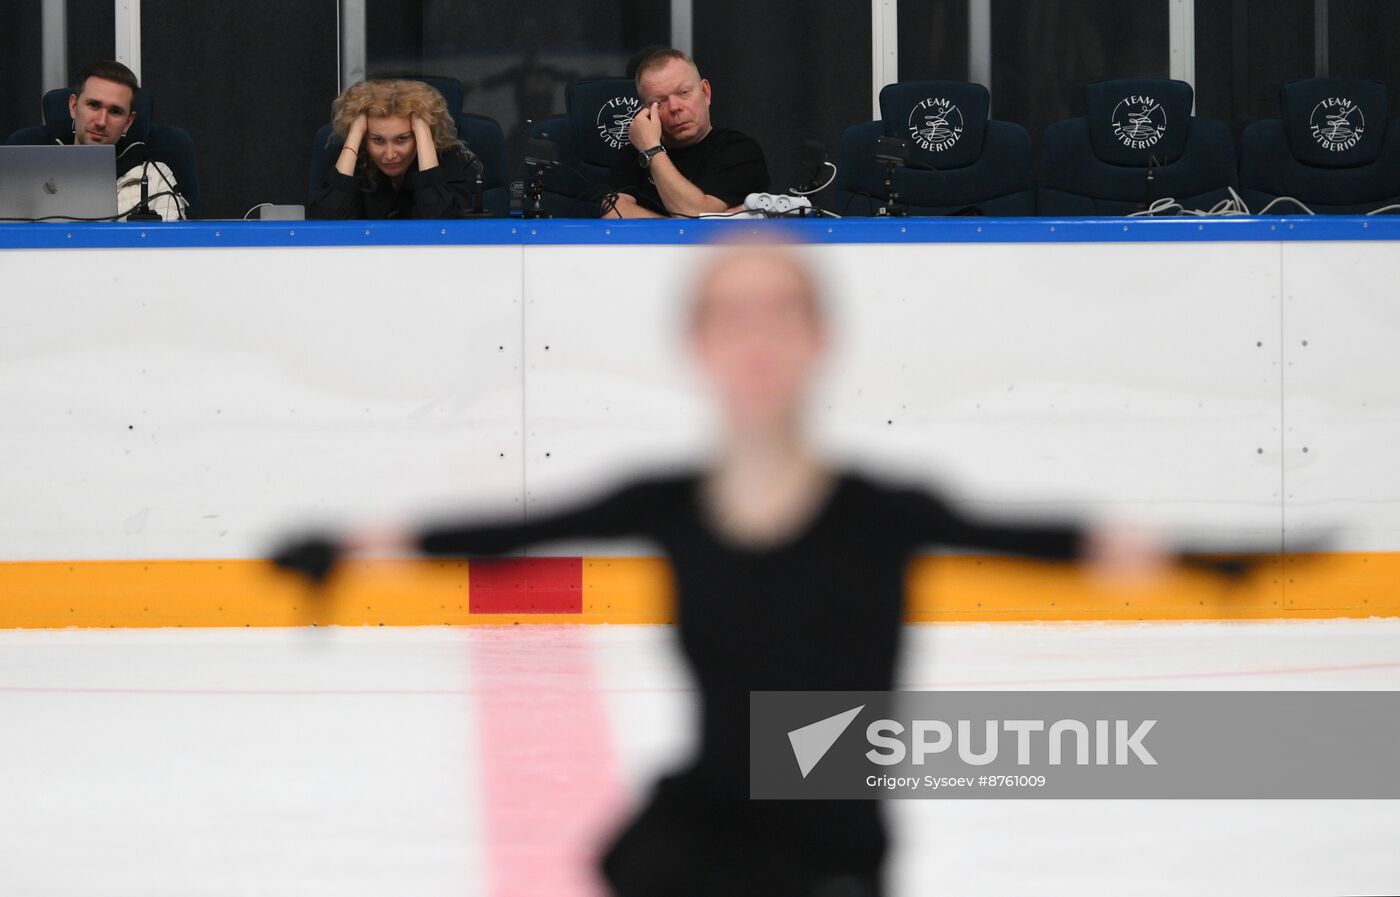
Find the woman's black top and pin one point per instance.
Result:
(821, 611)
(444, 191)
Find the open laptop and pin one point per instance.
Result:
(66, 181)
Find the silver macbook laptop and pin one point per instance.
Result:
(58, 181)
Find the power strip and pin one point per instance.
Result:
(775, 203)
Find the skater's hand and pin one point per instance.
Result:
(382, 539)
(1123, 555)
(313, 557)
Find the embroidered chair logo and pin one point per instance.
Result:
(613, 119)
(1337, 124)
(935, 124)
(1139, 122)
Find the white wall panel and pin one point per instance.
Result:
(1125, 376)
(142, 416)
(609, 389)
(1341, 415)
(146, 417)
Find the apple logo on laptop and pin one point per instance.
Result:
(50, 187)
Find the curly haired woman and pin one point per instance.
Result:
(402, 157)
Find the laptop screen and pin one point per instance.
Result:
(58, 182)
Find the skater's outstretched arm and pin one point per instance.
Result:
(619, 514)
(1120, 552)
(627, 511)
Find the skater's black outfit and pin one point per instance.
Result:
(819, 611)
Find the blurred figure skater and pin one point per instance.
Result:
(790, 576)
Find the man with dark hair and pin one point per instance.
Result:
(102, 107)
(677, 163)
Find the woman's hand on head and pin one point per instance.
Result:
(354, 143)
(423, 141)
(358, 128)
(422, 131)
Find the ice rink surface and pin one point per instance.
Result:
(490, 761)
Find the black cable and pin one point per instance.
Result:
(590, 191)
(115, 217)
(477, 169)
(608, 200)
(852, 194)
(174, 190)
(799, 212)
(601, 195)
(911, 166)
(968, 211)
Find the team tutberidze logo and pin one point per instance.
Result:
(1139, 122)
(935, 124)
(1337, 124)
(613, 119)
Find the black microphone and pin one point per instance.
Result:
(542, 155)
(814, 161)
(478, 170)
(891, 152)
(143, 210)
(1151, 160)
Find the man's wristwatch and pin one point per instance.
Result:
(645, 156)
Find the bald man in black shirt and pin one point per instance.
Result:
(677, 163)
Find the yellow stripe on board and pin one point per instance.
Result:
(1305, 586)
(628, 590)
(49, 594)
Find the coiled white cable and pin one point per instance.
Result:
(795, 192)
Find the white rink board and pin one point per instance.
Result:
(1136, 380)
(1342, 402)
(159, 419)
(1025, 376)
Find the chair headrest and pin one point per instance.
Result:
(1136, 122)
(1334, 122)
(600, 111)
(60, 123)
(450, 88)
(944, 121)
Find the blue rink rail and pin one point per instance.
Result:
(555, 232)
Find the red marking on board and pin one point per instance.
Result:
(527, 586)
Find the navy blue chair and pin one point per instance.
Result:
(164, 143)
(482, 135)
(960, 162)
(450, 88)
(1137, 143)
(589, 135)
(1336, 149)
